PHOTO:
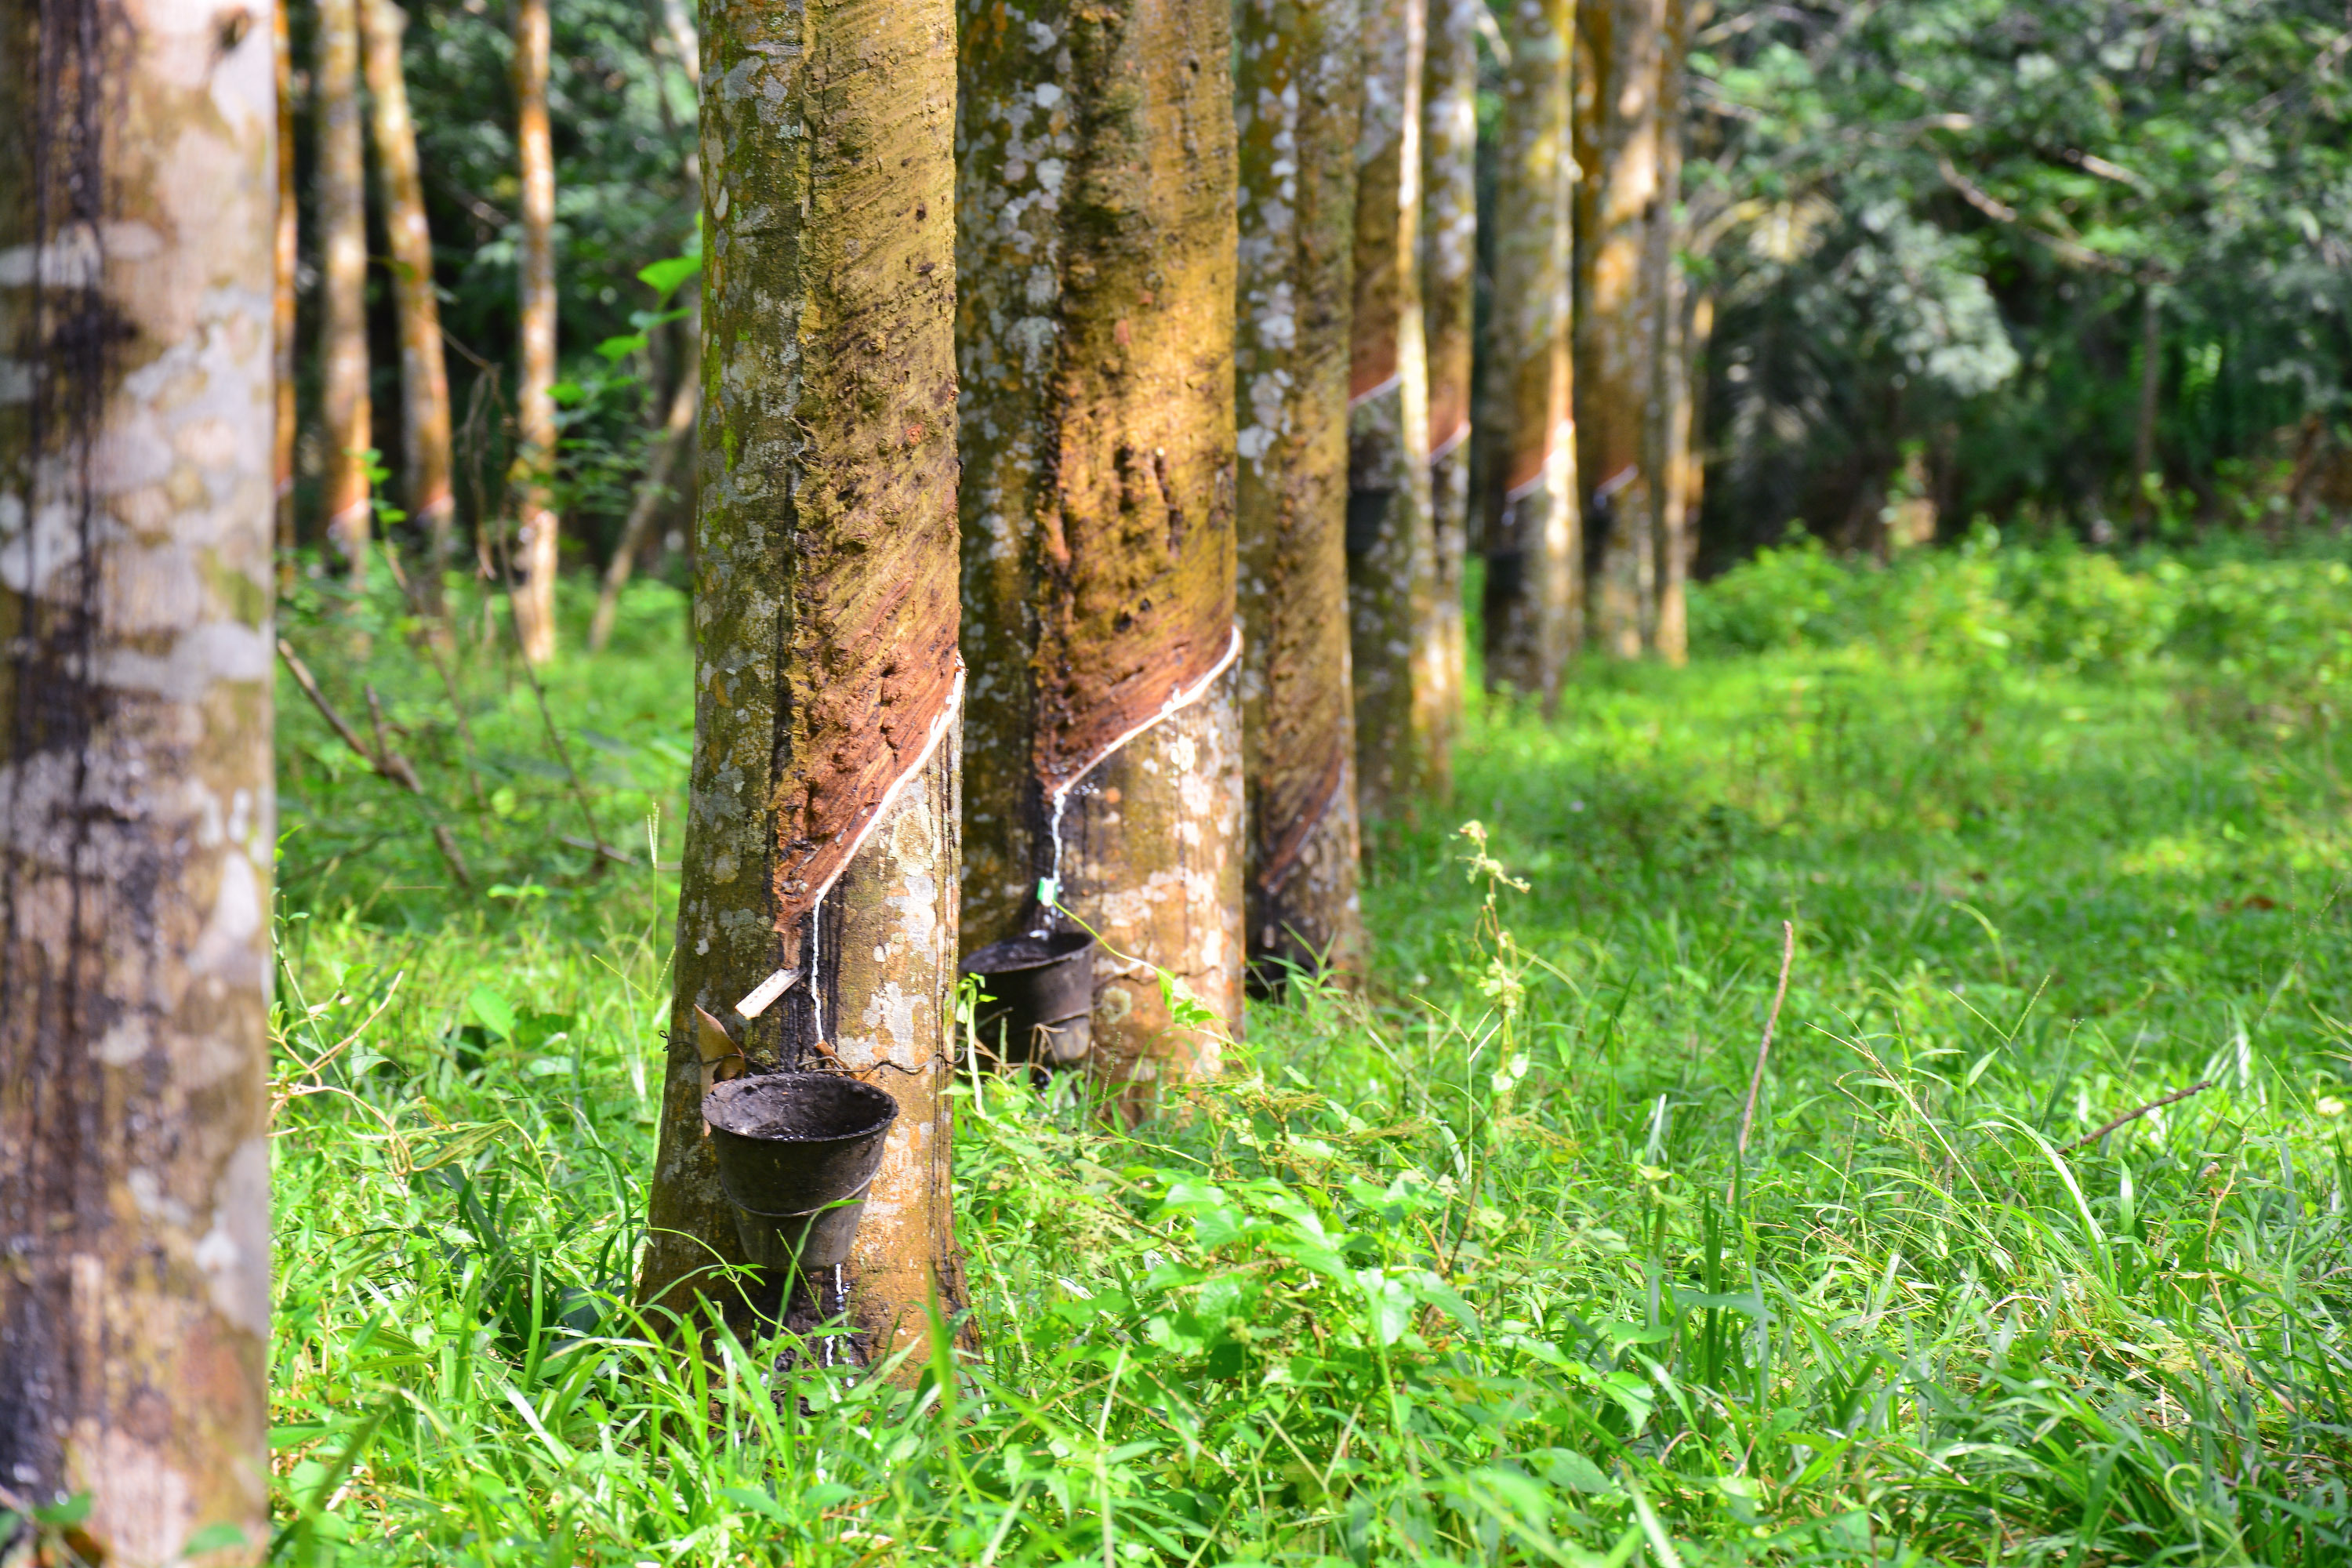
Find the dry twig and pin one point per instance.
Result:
(2197, 1088)
(1772, 1021)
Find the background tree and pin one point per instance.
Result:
(424, 378)
(536, 535)
(1665, 437)
(1395, 643)
(287, 259)
(1449, 269)
(1094, 260)
(1535, 556)
(821, 847)
(342, 332)
(138, 824)
(1297, 97)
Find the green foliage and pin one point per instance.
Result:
(1465, 1272)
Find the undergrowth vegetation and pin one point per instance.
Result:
(1469, 1269)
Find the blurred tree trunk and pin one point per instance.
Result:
(287, 259)
(827, 688)
(2151, 383)
(1667, 442)
(1535, 556)
(536, 538)
(1617, 150)
(136, 817)
(1096, 269)
(424, 378)
(1449, 277)
(1392, 550)
(342, 240)
(1297, 93)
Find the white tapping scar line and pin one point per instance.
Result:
(1049, 887)
(763, 996)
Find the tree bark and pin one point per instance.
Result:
(343, 329)
(424, 375)
(287, 257)
(1617, 150)
(1095, 258)
(1298, 94)
(1392, 547)
(1535, 556)
(136, 812)
(1667, 443)
(536, 538)
(2151, 383)
(1449, 274)
(823, 833)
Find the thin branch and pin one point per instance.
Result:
(1772, 1021)
(2197, 1088)
(387, 763)
(2001, 212)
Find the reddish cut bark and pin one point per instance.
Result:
(136, 814)
(1617, 149)
(342, 329)
(821, 840)
(1391, 548)
(1095, 259)
(1534, 558)
(536, 537)
(1298, 90)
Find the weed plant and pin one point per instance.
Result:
(1466, 1268)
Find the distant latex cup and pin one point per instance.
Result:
(797, 1151)
(1040, 998)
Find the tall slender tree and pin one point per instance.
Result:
(1094, 260)
(1449, 280)
(342, 239)
(1617, 150)
(424, 378)
(1298, 98)
(537, 536)
(288, 260)
(1666, 439)
(1535, 555)
(817, 912)
(136, 815)
(1392, 549)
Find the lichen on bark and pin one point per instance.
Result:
(1535, 559)
(825, 610)
(1297, 98)
(136, 808)
(1391, 551)
(1096, 268)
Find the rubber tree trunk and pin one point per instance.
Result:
(1449, 281)
(287, 258)
(1392, 549)
(821, 838)
(136, 814)
(342, 240)
(1096, 268)
(1667, 440)
(536, 537)
(1617, 149)
(2151, 384)
(1297, 100)
(424, 375)
(1534, 553)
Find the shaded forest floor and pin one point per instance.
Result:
(1467, 1271)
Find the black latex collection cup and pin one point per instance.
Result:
(797, 1151)
(1039, 1006)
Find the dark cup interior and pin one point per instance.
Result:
(791, 1141)
(1035, 983)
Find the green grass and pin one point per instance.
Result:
(1465, 1272)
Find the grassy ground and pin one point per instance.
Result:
(1469, 1271)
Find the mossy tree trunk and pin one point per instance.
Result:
(536, 534)
(1392, 549)
(1095, 266)
(822, 835)
(1617, 147)
(424, 375)
(341, 189)
(1666, 439)
(136, 808)
(1298, 98)
(1449, 280)
(1535, 555)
